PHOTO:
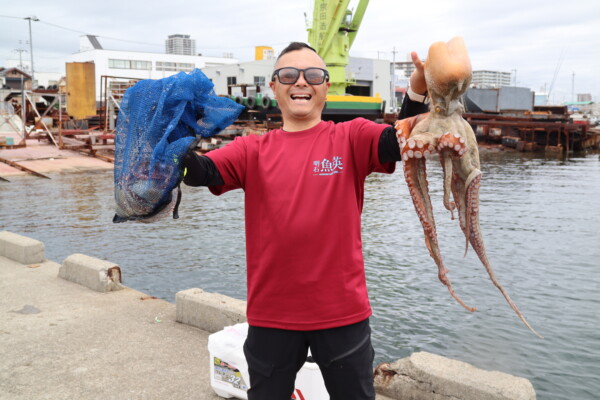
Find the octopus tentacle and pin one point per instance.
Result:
(447, 167)
(450, 146)
(416, 178)
(476, 239)
(459, 193)
(447, 74)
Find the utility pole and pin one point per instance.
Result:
(23, 101)
(34, 18)
(393, 83)
(21, 51)
(573, 87)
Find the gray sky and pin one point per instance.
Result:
(538, 39)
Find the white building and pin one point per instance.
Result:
(540, 99)
(250, 73)
(180, 44)
(371, 77)
(490, 79)
(138, 65)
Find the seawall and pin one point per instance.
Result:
(74, 331)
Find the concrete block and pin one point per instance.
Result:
(21, 248)
(426, 376)
(208, 311)
(96, 274)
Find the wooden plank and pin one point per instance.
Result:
(104, 158)
(22, 168)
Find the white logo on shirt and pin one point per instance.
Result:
(327, 167)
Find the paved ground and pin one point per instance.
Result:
(59, 340)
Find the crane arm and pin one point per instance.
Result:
(357, 20)
(332, 33)
(332, 29)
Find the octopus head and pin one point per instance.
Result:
(447, 74)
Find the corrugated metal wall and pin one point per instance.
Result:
(497, 100)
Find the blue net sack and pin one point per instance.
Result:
(159, 121)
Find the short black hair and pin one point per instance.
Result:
(294, 46)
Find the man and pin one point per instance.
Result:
(304, 188)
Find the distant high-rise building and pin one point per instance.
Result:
(180, 44)
(407, 67)
(584, 97)
(490, 79)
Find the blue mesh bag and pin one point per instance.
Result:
(159, 121)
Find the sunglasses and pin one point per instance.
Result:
(290, 75)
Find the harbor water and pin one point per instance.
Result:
(541, 223)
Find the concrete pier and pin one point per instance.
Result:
(61, 340)
(72, 331)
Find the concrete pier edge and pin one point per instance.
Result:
(93, 273)
(21, 248)
(208, 311)
(419, 376)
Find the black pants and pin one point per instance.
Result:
(344, 355)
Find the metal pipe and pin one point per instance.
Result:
(105, 102)
(61, 145)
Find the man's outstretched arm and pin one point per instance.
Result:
(201, 171)
(415, 102)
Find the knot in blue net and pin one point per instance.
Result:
(159, 121)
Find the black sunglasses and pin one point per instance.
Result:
(290, 75)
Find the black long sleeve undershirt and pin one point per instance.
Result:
(202, 171)
(388, 149)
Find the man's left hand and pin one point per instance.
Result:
(417, 78)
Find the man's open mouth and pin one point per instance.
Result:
(301, 97)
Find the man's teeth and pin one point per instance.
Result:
(301, 97)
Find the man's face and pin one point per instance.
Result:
(300, 101)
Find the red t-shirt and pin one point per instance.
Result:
(304, 196)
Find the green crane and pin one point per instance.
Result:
(332, 34)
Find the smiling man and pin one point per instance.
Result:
(301, 103)
(304, 191)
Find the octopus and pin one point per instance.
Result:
(444, 131)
